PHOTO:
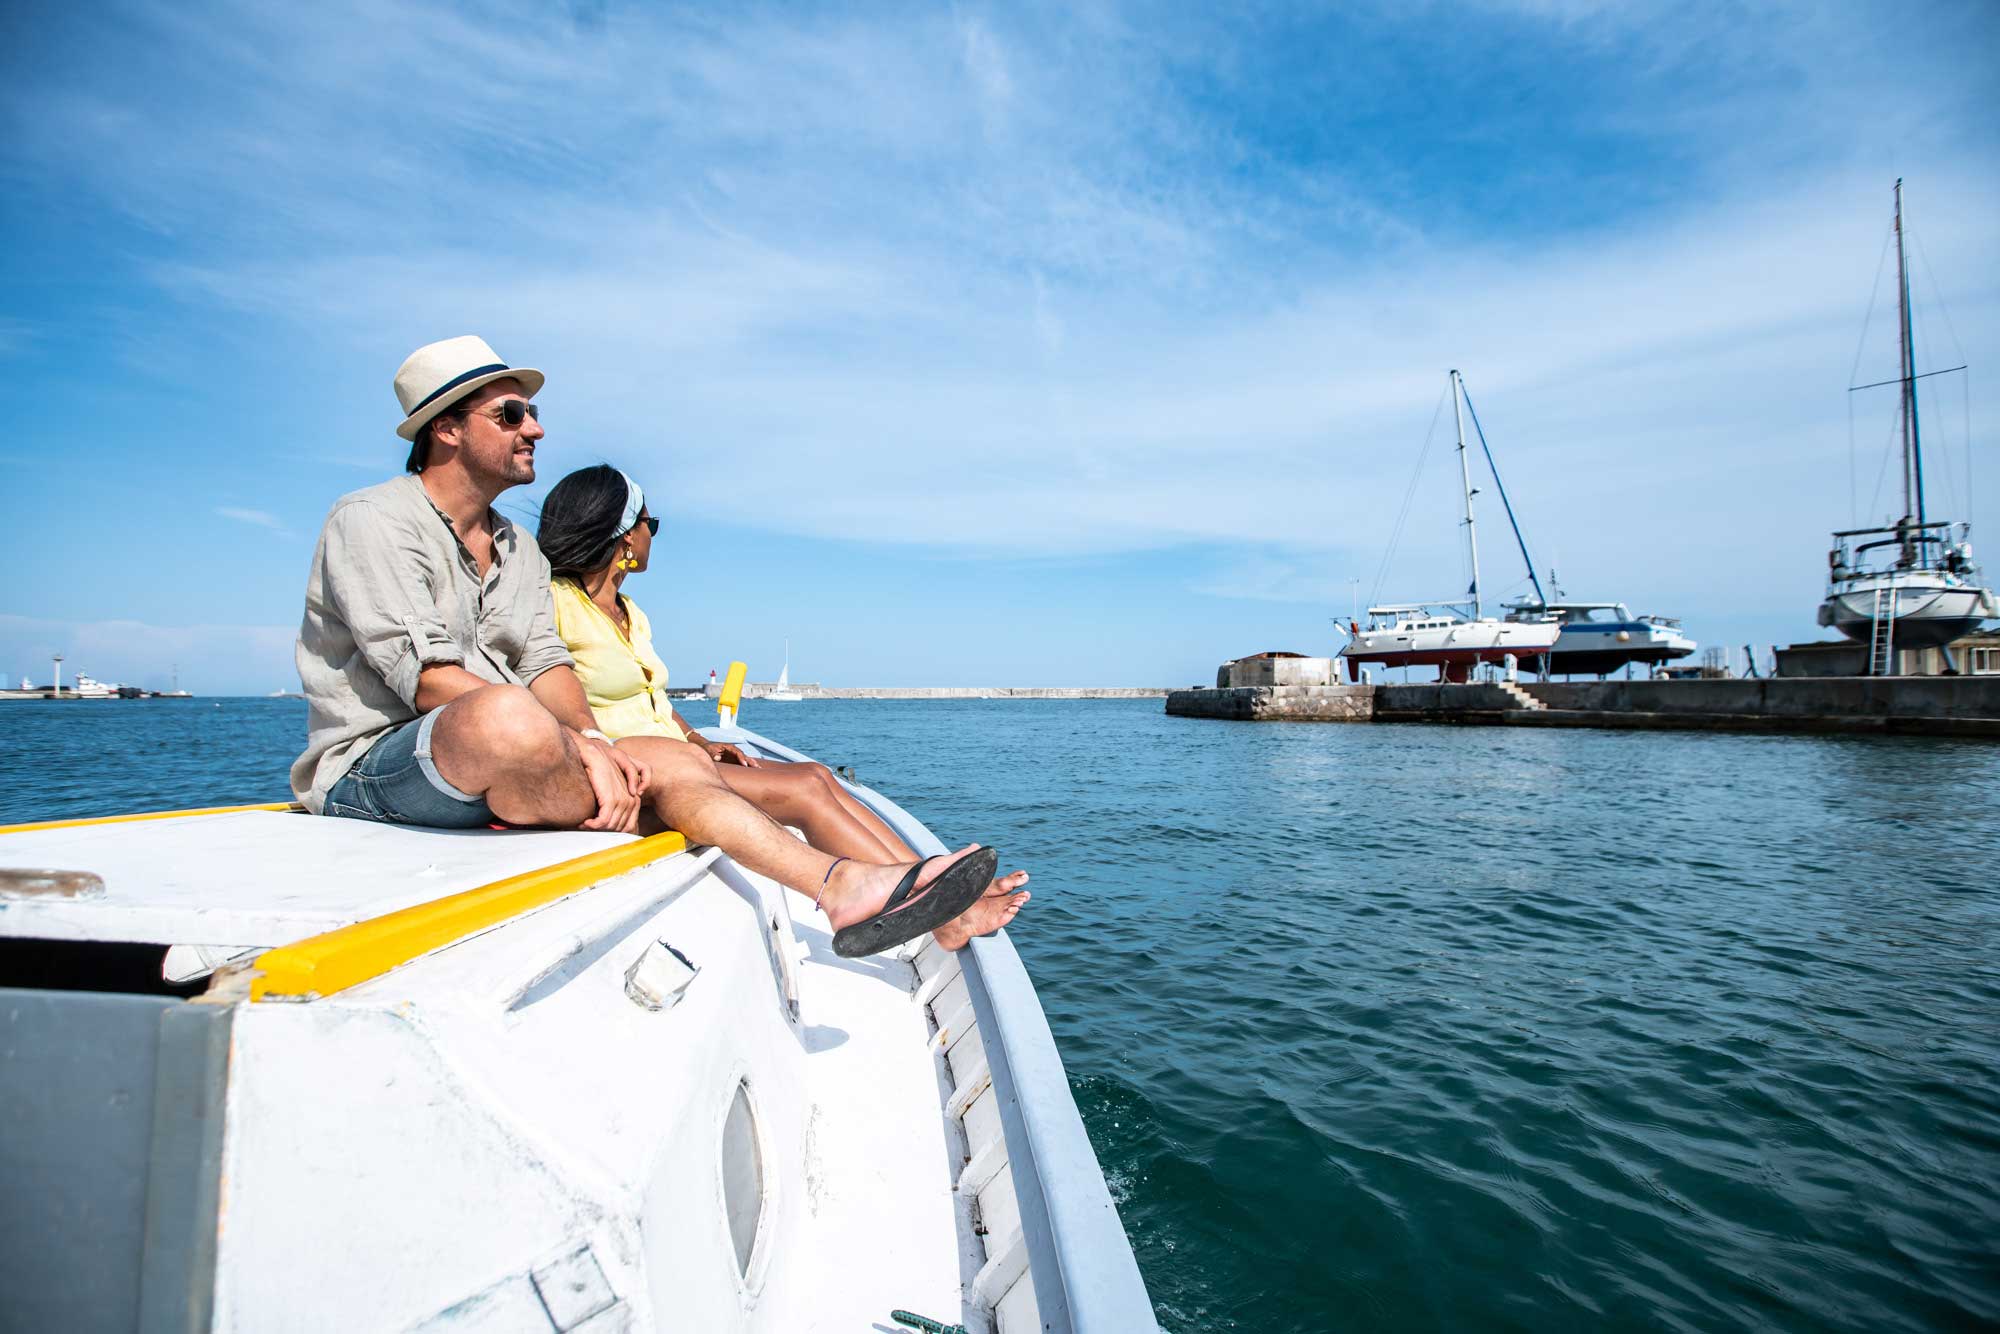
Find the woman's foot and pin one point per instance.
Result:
(995, 909)
(858, 890)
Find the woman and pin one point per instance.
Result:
(595, 531)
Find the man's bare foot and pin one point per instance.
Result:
(858, 890)
(995, 909)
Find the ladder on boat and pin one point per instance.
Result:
(1882, 633)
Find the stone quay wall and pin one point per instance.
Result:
(1928, 705)
(1921, 705)
(983, 692)
(1320, 704)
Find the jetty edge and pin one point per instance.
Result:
(563, 1080)
(813, 690)
(1957, 706)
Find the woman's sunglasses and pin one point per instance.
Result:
(649, 523)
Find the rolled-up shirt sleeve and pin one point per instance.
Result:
(543, 647)
(379, 588)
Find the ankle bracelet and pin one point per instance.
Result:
(827, 879)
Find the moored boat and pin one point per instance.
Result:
(1910, 584)
(89, 687)
(1432, 635)
(1451, 634)
(413, 1079)
(1602, 637)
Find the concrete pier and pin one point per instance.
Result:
(1319, 704)
(977, 692)
(1965, 706)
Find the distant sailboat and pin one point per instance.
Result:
(783, 691)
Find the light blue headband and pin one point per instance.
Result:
(635, 500)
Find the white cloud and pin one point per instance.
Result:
(255, 518)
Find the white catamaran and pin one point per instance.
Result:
(1452, 635)
(1911, 584)
(272, 1071)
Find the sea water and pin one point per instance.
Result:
(1388, 1027)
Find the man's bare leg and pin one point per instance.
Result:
(687, 794)
(995, 909)
(808, 796)
(499, 743)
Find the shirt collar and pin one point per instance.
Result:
(503, 527)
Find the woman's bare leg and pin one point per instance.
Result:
(792, 794)
(852, 805)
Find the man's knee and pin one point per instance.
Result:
(506, 725)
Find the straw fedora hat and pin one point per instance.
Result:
(437, 375)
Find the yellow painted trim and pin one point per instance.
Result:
(148, 815)
(324, 964)
(732, 689)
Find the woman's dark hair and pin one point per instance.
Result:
(580, 521)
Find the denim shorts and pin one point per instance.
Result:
(395, 781)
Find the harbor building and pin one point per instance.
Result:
(1976, 654)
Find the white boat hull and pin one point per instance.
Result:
(1602, 649)
(1453, 649)
(1928, 611)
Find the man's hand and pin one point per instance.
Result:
(617, 801)
(724, 753)
(637, 772)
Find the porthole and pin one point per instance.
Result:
(743, 1187)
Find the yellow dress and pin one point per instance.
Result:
(623, 677)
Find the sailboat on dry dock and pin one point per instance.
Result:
(1451, 634)
(1910, 584)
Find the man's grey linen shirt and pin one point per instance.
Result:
(392, 591)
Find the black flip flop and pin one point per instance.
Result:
(905, 918)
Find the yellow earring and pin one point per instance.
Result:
(630, 562)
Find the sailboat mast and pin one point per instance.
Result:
(1913, 454)
(1465, 477)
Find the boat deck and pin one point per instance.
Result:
(520, 1081)
(506, 1100)
(257, 877)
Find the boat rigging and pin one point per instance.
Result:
(1921, 588)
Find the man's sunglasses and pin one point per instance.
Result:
(514, 411)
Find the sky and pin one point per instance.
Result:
(1088, 344)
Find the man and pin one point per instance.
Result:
(441, 694)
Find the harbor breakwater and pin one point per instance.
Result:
(1933, 706)
(980, 692)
